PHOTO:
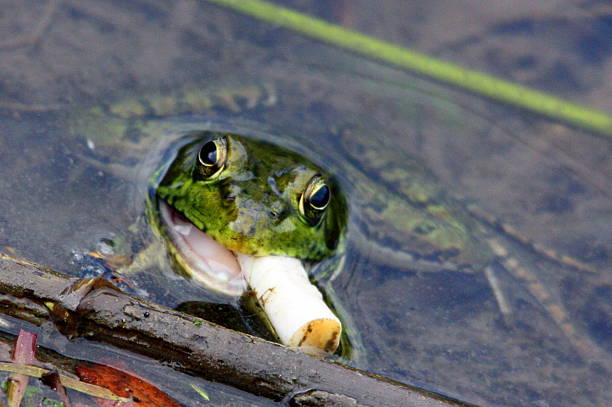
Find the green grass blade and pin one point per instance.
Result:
(477, 82)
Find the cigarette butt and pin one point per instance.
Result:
(294, 306)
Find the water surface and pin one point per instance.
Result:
(440, 330)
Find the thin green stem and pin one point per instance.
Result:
(474, 81)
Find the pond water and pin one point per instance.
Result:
(441, 329)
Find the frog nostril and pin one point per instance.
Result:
(276, 215)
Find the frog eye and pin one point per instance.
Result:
(212, 157)
(314, 200)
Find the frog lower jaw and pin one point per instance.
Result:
(203, 258)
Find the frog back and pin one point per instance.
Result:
(397, 206)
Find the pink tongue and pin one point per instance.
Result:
(201, 251)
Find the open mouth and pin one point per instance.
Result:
(206, 260)
(293, 305)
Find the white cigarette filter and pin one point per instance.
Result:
(293, 305)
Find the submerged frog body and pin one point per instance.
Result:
(253, 201)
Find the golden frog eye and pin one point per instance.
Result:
(212, 157)
(314, 200)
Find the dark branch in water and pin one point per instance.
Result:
(95, 308)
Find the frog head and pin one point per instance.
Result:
(226, 194)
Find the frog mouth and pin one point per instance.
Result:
(201, 256)
(293, 305)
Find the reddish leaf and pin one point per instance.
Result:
(124, 384)
(25, 348)
(24, 353)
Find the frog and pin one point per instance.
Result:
(220, 197)
(275, 202)
(426, 228)
(250, 197)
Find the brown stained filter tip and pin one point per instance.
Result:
(321, 335)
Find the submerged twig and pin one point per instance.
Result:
(24, 108)
(75, 384)
(35, 35)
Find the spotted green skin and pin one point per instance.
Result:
(252, 206)
(422, 225)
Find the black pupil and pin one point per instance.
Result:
(208, 153)
(320, 199)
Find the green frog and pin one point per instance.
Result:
(251, 196)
